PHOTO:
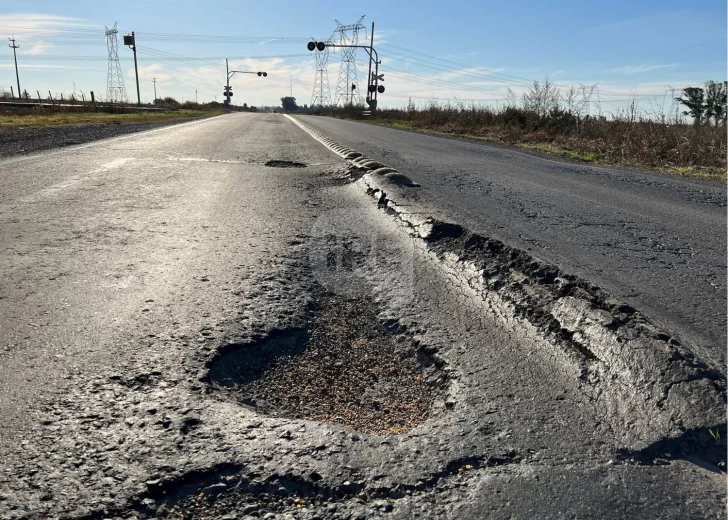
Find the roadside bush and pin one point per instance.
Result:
(167, 102)
(627, 137)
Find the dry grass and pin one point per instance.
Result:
(622, 140)
(35, 119)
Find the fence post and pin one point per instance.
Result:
(50, 98)
(92, 97)
(39, 100)
(12, 92)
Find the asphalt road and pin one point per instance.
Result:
(151, 281)
(653, 240)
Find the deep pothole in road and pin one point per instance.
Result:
(285, 164)
(347, 367)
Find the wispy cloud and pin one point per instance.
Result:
(637, 69)
(37, 48)
(39, 66)
(40, 24)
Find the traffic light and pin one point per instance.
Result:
(312, 46)
(228, 91)
(380, 89)
(264, 74)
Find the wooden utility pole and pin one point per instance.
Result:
(17, 77)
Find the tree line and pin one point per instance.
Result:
(704, 104)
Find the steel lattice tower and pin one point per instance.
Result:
(348, 35)
(321, 91)
(115, 89)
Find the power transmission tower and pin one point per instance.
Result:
(346, 87)
(115, 89)
(321, 91)
(13, 46)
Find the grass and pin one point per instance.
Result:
(667, 147)
(556, 150)
(68, 118)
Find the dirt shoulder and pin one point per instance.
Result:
(25, 134)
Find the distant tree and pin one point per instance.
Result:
(511, 99)
(694, 100)
(715, 101)
(541, 98)
(289, 104)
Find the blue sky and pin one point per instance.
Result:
(465, 50)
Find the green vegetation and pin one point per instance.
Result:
(36, 119)
(705, 104)
(565, 124)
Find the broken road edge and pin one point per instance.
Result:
(657, 395)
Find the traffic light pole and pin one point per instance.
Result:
(130, 41)
(227, 86)
(136, 70)
(372, 80)
(231, 73)
(369, 76)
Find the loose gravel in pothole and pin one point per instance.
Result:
(347, 368)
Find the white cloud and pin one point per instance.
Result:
(39, 24)
(36, 48)
(39, 66)
(637, 69)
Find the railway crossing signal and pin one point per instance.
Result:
(230, 73)
(373, 87)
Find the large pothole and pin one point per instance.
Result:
(347, 367)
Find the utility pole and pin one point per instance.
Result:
(291, 85)
(195, 96)
(349, 41)
(17, 77)
(155, 88)
(115, 89)
(130, 41)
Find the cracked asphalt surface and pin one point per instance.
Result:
(133, 266)
(656, 241)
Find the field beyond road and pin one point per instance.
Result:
(29, 132)
(625, 139)
(70, 118)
